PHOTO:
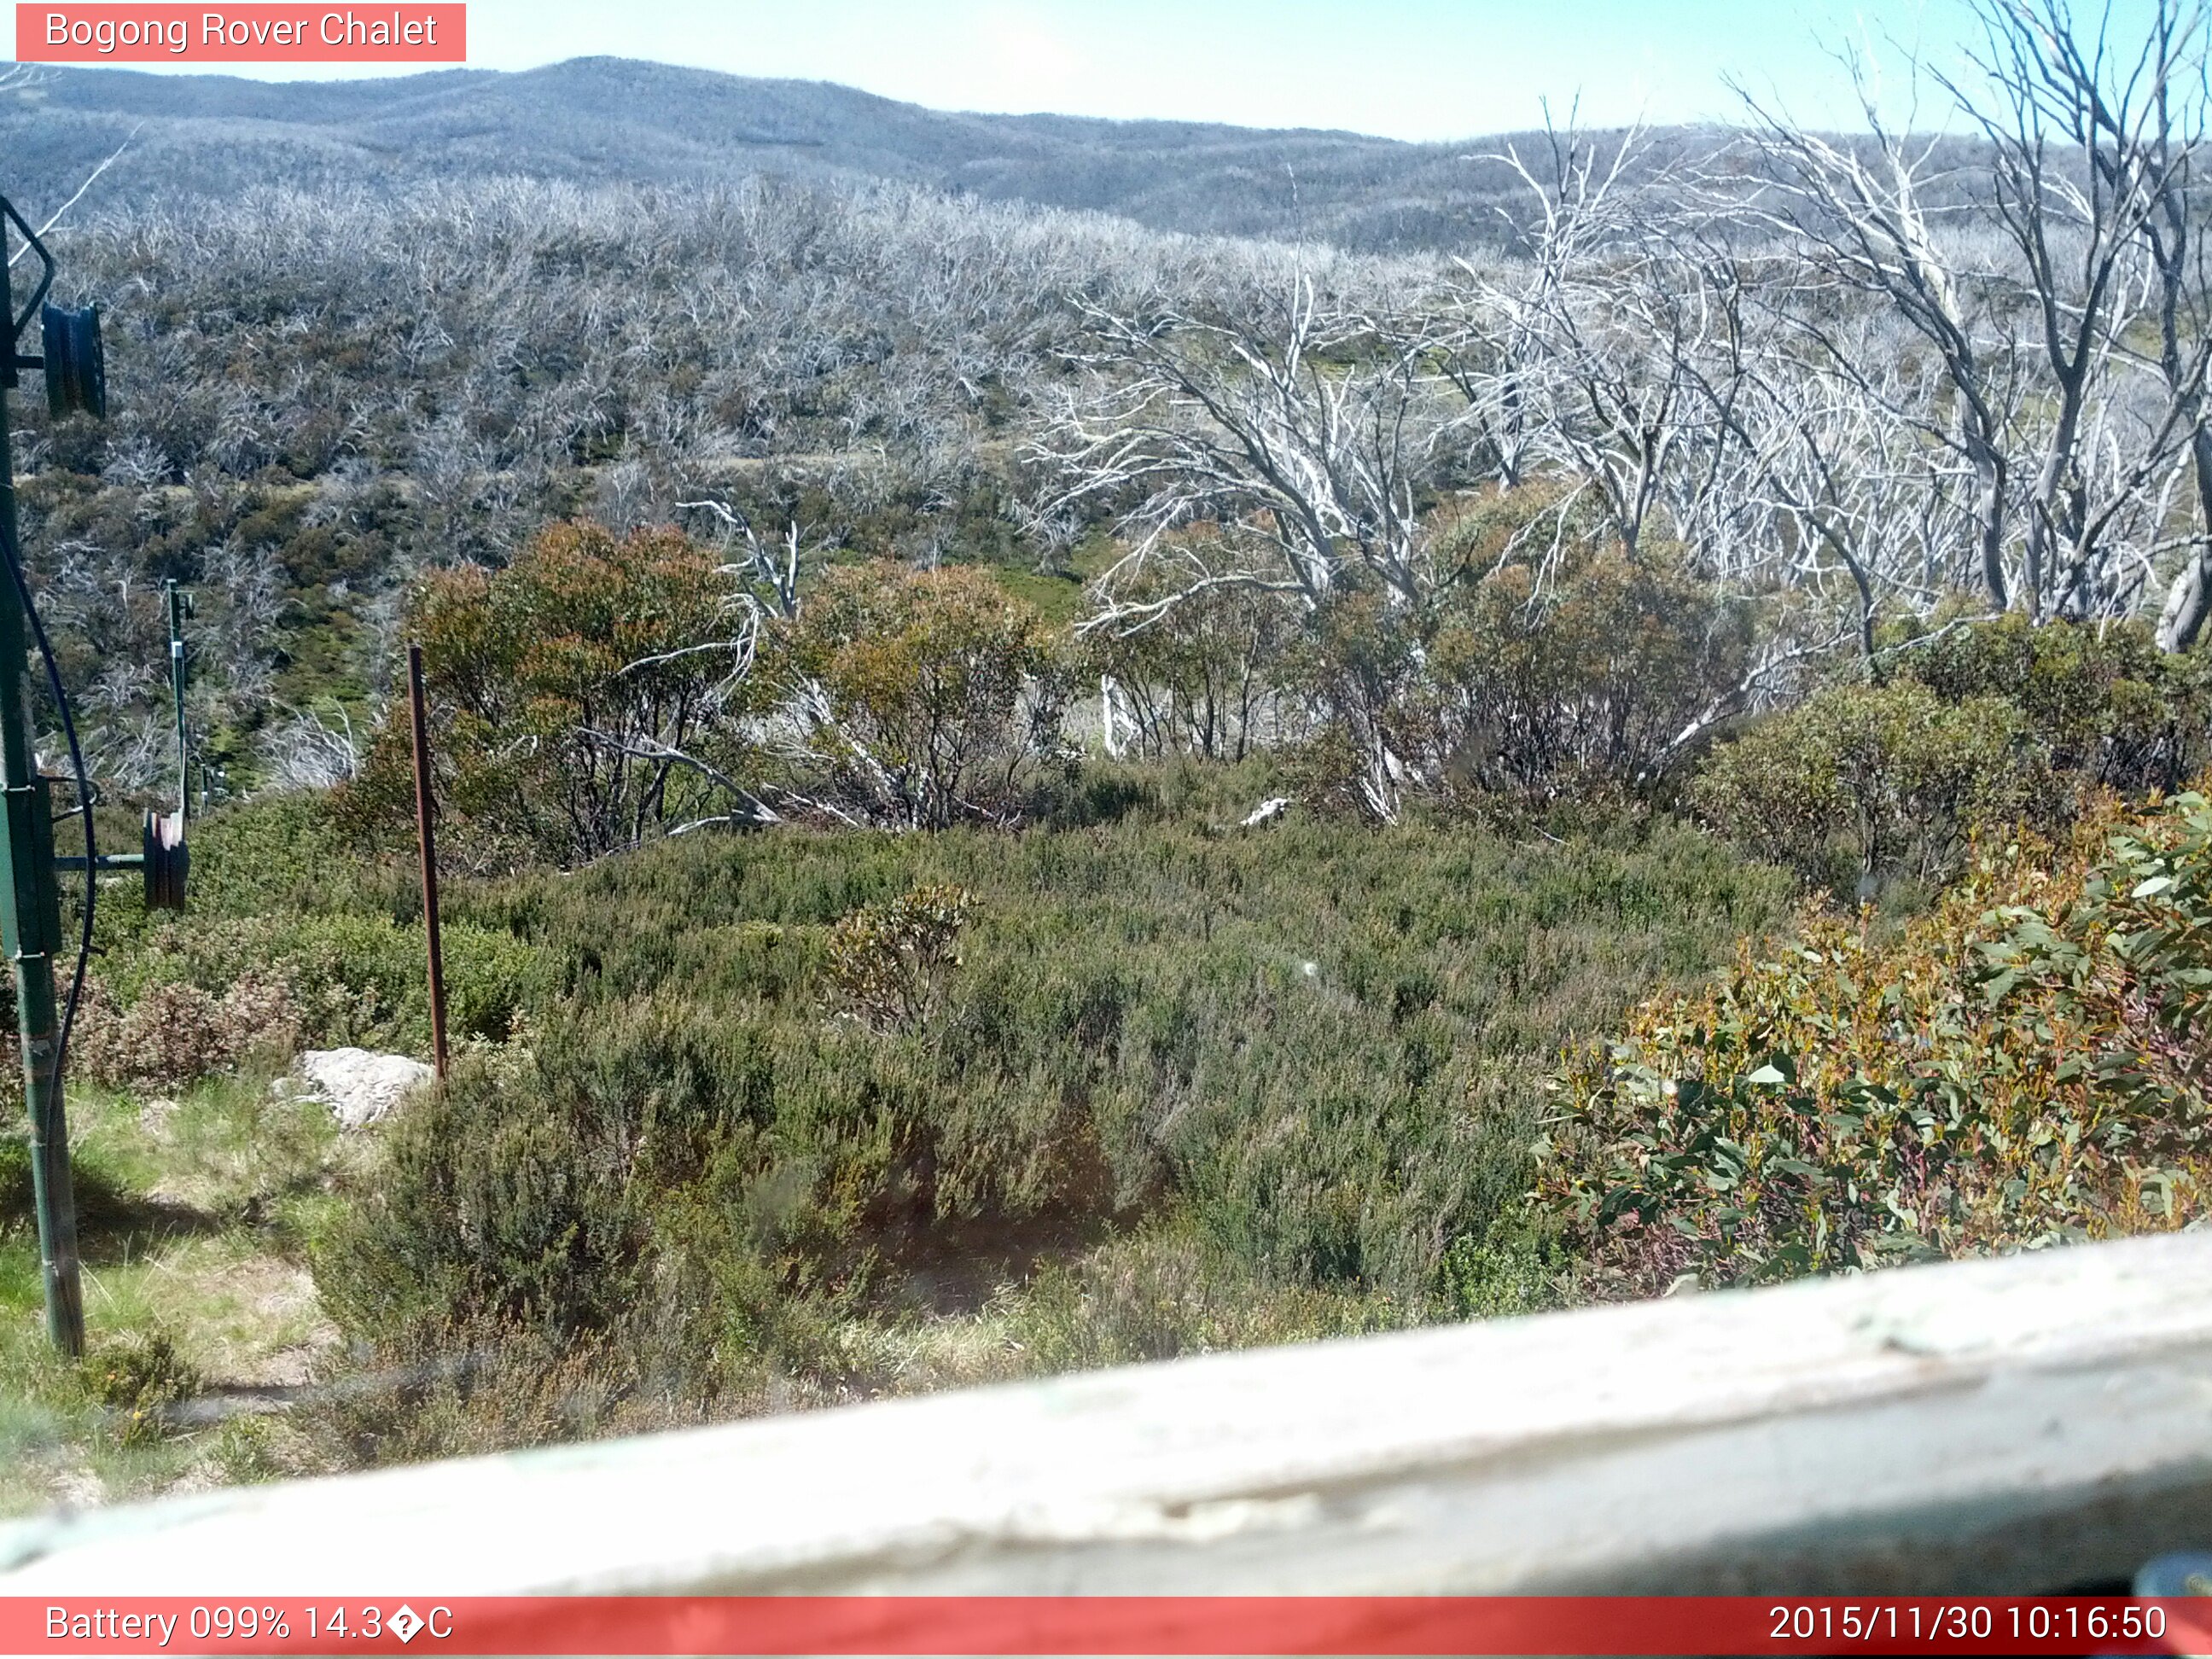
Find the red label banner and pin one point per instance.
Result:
(1101, 1625)
(305, 34)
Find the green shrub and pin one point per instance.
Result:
(558, 685)
(1980, 725)
(281, 853)
(888, 962)
(930, 697)
(1586, 680)
(1522, 682)
(138, 1379)
(2110, 708)
(465, 1388)
(1865, 781)
(293, 940)
(2027, 1063)
(251, 1449)
(1314, 1054)
(507, 1197)
(15, 1166)
(348, 977)
(176, 1033)
(1199, 678)
(1170, 1292)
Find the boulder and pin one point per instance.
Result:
(360, 1085)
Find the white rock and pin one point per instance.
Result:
(1267, 813)
(360, 1085)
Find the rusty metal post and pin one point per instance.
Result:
(426, 840)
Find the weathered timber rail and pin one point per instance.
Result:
(2039, 1422)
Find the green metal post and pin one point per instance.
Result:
(177, 692)
(30, 914)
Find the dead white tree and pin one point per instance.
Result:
(2082, 153)
(1824, 482)
(17, 77)
(2053, 278)
(1859, 212)
(1298, 425)
(312, 749)
(1596, 330)
(2169, 133)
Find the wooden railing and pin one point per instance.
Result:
(2039, 1423)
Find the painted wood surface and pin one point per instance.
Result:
(2032, 1424)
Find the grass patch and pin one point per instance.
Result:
(195, 1214)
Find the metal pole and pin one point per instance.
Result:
(30, 914)
(177, 693)
(428, 844)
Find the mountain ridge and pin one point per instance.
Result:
(614, 120)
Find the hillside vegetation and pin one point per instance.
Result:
(1019, 791)
(789, 1117)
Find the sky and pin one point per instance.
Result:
(1422, 70)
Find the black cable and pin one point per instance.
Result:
(83, 801)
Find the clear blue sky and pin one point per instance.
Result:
(1409, 69)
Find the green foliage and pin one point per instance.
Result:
(1171, 1292)
(283, 852)
(250, 1449)
(176, 1032)
(2027, 1063)
(1523, 680)
(2110, 708)
(1197, 677)
(1585, 681)
(499, 1204)
(888, 962)
(563, 689)
(15, 1171)
(1980, 725)
(932, 696)
(138, 1377)
(293, 940)
(1314, 1054)
(189, 1212)
(595, 693)
(342, 976)
(1889, 777)
(2129, 960)
(1507, 1271)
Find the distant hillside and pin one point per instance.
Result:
(609, 120)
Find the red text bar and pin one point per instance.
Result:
(1104, 1624)
(241, 34)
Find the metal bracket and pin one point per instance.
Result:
(163, 860)
(35, 927)
(18, 324)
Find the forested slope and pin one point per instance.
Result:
(1020, 788)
